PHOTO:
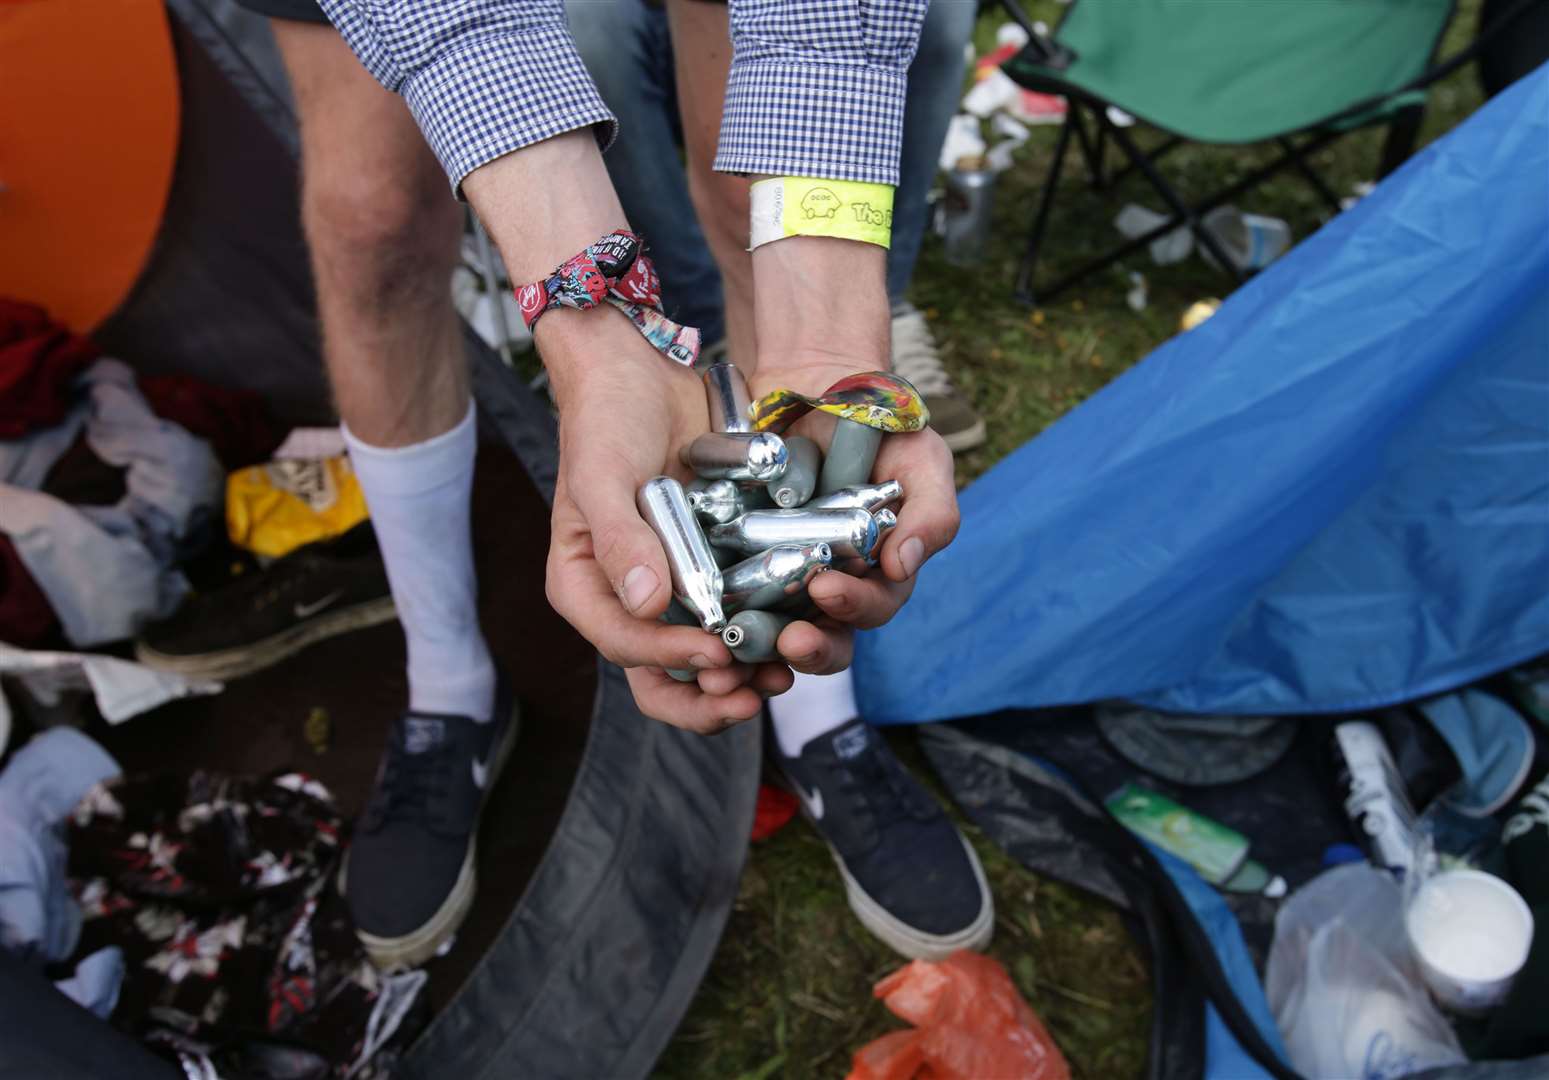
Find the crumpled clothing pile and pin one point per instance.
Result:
(240, 956)
(106, 482)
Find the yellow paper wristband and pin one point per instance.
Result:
(806, 206)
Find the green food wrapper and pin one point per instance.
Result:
(1210, 847)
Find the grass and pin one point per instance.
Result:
(789, 992)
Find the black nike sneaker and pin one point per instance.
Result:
(909, 875)
(315, 592)
(408, 875)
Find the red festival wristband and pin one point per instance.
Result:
(615, 270)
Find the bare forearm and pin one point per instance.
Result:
(542, 204)
(820, 301)
(545, 202)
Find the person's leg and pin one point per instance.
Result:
(383, 230)
(627, 49)
(701, 46)
(909, 875)
(935, 89)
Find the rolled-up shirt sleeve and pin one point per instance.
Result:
(817, 87)
(482, 77)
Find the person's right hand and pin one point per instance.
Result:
(625, 412)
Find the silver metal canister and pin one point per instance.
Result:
(872, 497)
(773, 575)
(726, 393)
(718, 502)
(850, 533)
(887, 521)
(696, 576)
(730, 455)
(751, 635)
(801, 476)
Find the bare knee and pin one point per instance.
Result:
(383, 241)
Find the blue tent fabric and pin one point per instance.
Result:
(1225, 1058)
(1331, 496)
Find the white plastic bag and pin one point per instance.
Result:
(1344, 987)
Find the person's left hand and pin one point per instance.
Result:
(927, 522)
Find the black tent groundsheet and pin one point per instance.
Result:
(610, 856)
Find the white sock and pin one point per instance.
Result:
(420, 498)
(815, 705)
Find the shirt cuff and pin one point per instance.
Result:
(501, 93)
(834, 121)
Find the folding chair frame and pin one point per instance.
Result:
(1093, 148)
(1403, 131)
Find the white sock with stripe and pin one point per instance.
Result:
(815, 705)
(420, 498)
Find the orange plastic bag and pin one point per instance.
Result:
(969, 1024)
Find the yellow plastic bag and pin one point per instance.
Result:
(275, 508)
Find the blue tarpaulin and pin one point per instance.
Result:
(1332, 495)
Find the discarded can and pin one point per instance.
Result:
(727, 394)
(678, 615)
(850, 457)
(850, 533)
(751, 635)
(801, 475)
(872, 497)
(696, 576)
(729, 455)
(967, 215)
(718, 502)
(886, 522)
(771, 576)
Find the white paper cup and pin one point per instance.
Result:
(1470, 932)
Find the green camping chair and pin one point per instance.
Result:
(1299, 73)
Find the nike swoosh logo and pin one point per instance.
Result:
(480, 774)
(813, 801)
(305, 611)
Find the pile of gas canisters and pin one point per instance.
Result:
(764, 517)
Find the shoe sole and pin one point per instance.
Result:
(968, 439)
(247, 659)
(905, 939)
(420, 945)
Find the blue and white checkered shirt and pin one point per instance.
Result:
(816, 86)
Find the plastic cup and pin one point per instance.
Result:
(1470, 932)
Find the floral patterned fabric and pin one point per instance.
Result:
(241, 959)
